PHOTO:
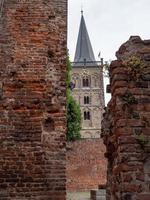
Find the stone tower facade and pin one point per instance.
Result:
(87, 76)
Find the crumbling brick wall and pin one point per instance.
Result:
(32, 99)
(86, 164)
(126, 124)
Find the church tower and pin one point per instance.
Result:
(87, 76)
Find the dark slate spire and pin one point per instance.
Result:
(84, 49)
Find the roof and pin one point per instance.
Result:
(84, 52)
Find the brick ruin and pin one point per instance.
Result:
(126, 124)
(33, 115)
(32, 99)
(86, 164)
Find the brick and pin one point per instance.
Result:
(128, 160)
(33, 69)
(143, 197)
(86, 165)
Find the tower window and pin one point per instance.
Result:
(86, 82)
(87, 115)
(86, 100)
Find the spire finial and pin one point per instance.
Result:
(81, 9)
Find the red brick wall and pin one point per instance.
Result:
(126, 125)
(86, 165)
(32, 99)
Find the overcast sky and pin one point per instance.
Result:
(109, 22)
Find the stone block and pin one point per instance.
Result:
(98, 194)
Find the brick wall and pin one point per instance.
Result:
(86, 165)
(126, 125)
(32, 99)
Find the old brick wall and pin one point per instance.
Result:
(86, 165)
(126, 125)
(32, 99)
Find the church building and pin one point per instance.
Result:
(87, 76)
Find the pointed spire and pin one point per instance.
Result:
(81, 10)
(84, 49)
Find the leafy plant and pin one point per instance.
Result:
(145, 120)
(135, 115)
(135, 66)
(73, 119)
(73, 110)
(128, 98)
(142, 140)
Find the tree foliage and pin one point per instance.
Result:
(73, 110)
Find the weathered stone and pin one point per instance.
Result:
(98, 194)
(128, 161)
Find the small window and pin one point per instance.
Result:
(84, 115)
(86, 82)
(86, 100)
(87, 115)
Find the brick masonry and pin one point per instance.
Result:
(126, 124)
(32, 100)
(86, 165)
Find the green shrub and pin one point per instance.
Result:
(135, 66)
(73, 110)
(142, 140)
(128, 98)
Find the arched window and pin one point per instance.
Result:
(86, 100)
(87, 115)
(86, 82)
(84, 115)
(83, 82)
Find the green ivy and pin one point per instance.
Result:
(73, 110)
